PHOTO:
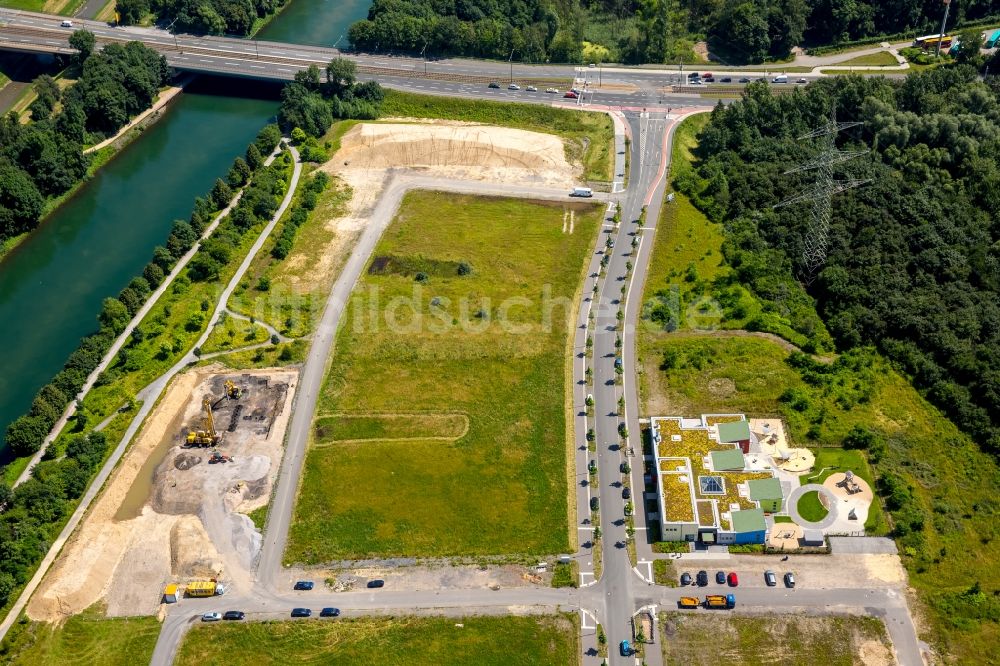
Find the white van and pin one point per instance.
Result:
(780, 78)
(66, 24)
(582, 192)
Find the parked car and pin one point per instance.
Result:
(330, 612)
(304, 585)
(708, 79)
(531, 89)
(211, 617)
(695, 82)
(789, 579)
(626, 649)
(734, 580)
(234, 615)
(720, 577)
(702, 578)
(494, 84)
(595, 504)
(726, 79)
(552, 90)
(626, 493)
(570, 95)
(685, 578)
(694, 75)
(780, 78)
(708, 75)
(302, 612)
(378, 582)
(513, 86)
(744, 79)
(770, 579)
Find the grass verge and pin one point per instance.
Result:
(880, 59)
(696, 639)
(589, 136)
(664, 573)
(469, 641)
(86, 639)
(444, 323)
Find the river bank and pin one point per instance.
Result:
(102, 153)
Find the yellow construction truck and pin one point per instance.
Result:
(205, 588)
(208, 436)
(689, 602)
(720, 601)
(232, 390)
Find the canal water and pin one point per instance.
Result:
(51, 287)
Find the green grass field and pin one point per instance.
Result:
(483, 355)
(394, 641)
(707, 639)
(810, 507)
(589, 136)
(880, 59)
(87, 639)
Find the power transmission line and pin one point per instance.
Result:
(821, 192)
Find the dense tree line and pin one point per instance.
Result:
(44, 158)
(914, 260)
(312, 105)
(215, 17)
(33, 510)
(644, 30)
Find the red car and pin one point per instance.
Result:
(570, 95)
(733, 580)
(706, 75)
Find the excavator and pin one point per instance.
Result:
(208, 436)
(232, 390)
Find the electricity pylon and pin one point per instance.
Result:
(822, 191)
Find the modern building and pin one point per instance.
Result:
(708, 486)
(767, 494)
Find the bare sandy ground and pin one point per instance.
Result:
(127, 562)
(449, 150)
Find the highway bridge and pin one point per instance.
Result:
(32, 32)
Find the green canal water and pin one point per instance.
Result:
(51, 287)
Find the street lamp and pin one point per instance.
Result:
(511, 61)
(947, 6)
(338, 40)
(422, 56)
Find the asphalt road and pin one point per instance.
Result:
(36, 32)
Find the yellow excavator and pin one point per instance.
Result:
(232, 390)
(208, 436)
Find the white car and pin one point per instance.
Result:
(531, 89)
(66, 24)
(552, 90)
(513, 86)
(211, 617)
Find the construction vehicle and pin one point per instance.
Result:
(205, 588)
(208, 436)
(688, 602)
(720, 601)
(232, 390)
(219, 458)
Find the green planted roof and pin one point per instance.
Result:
(765, 489)
(749, 520)
(727, 460)
(734, 431)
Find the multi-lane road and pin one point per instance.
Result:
(615, 86)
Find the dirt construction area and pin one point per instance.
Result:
(172, 511)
